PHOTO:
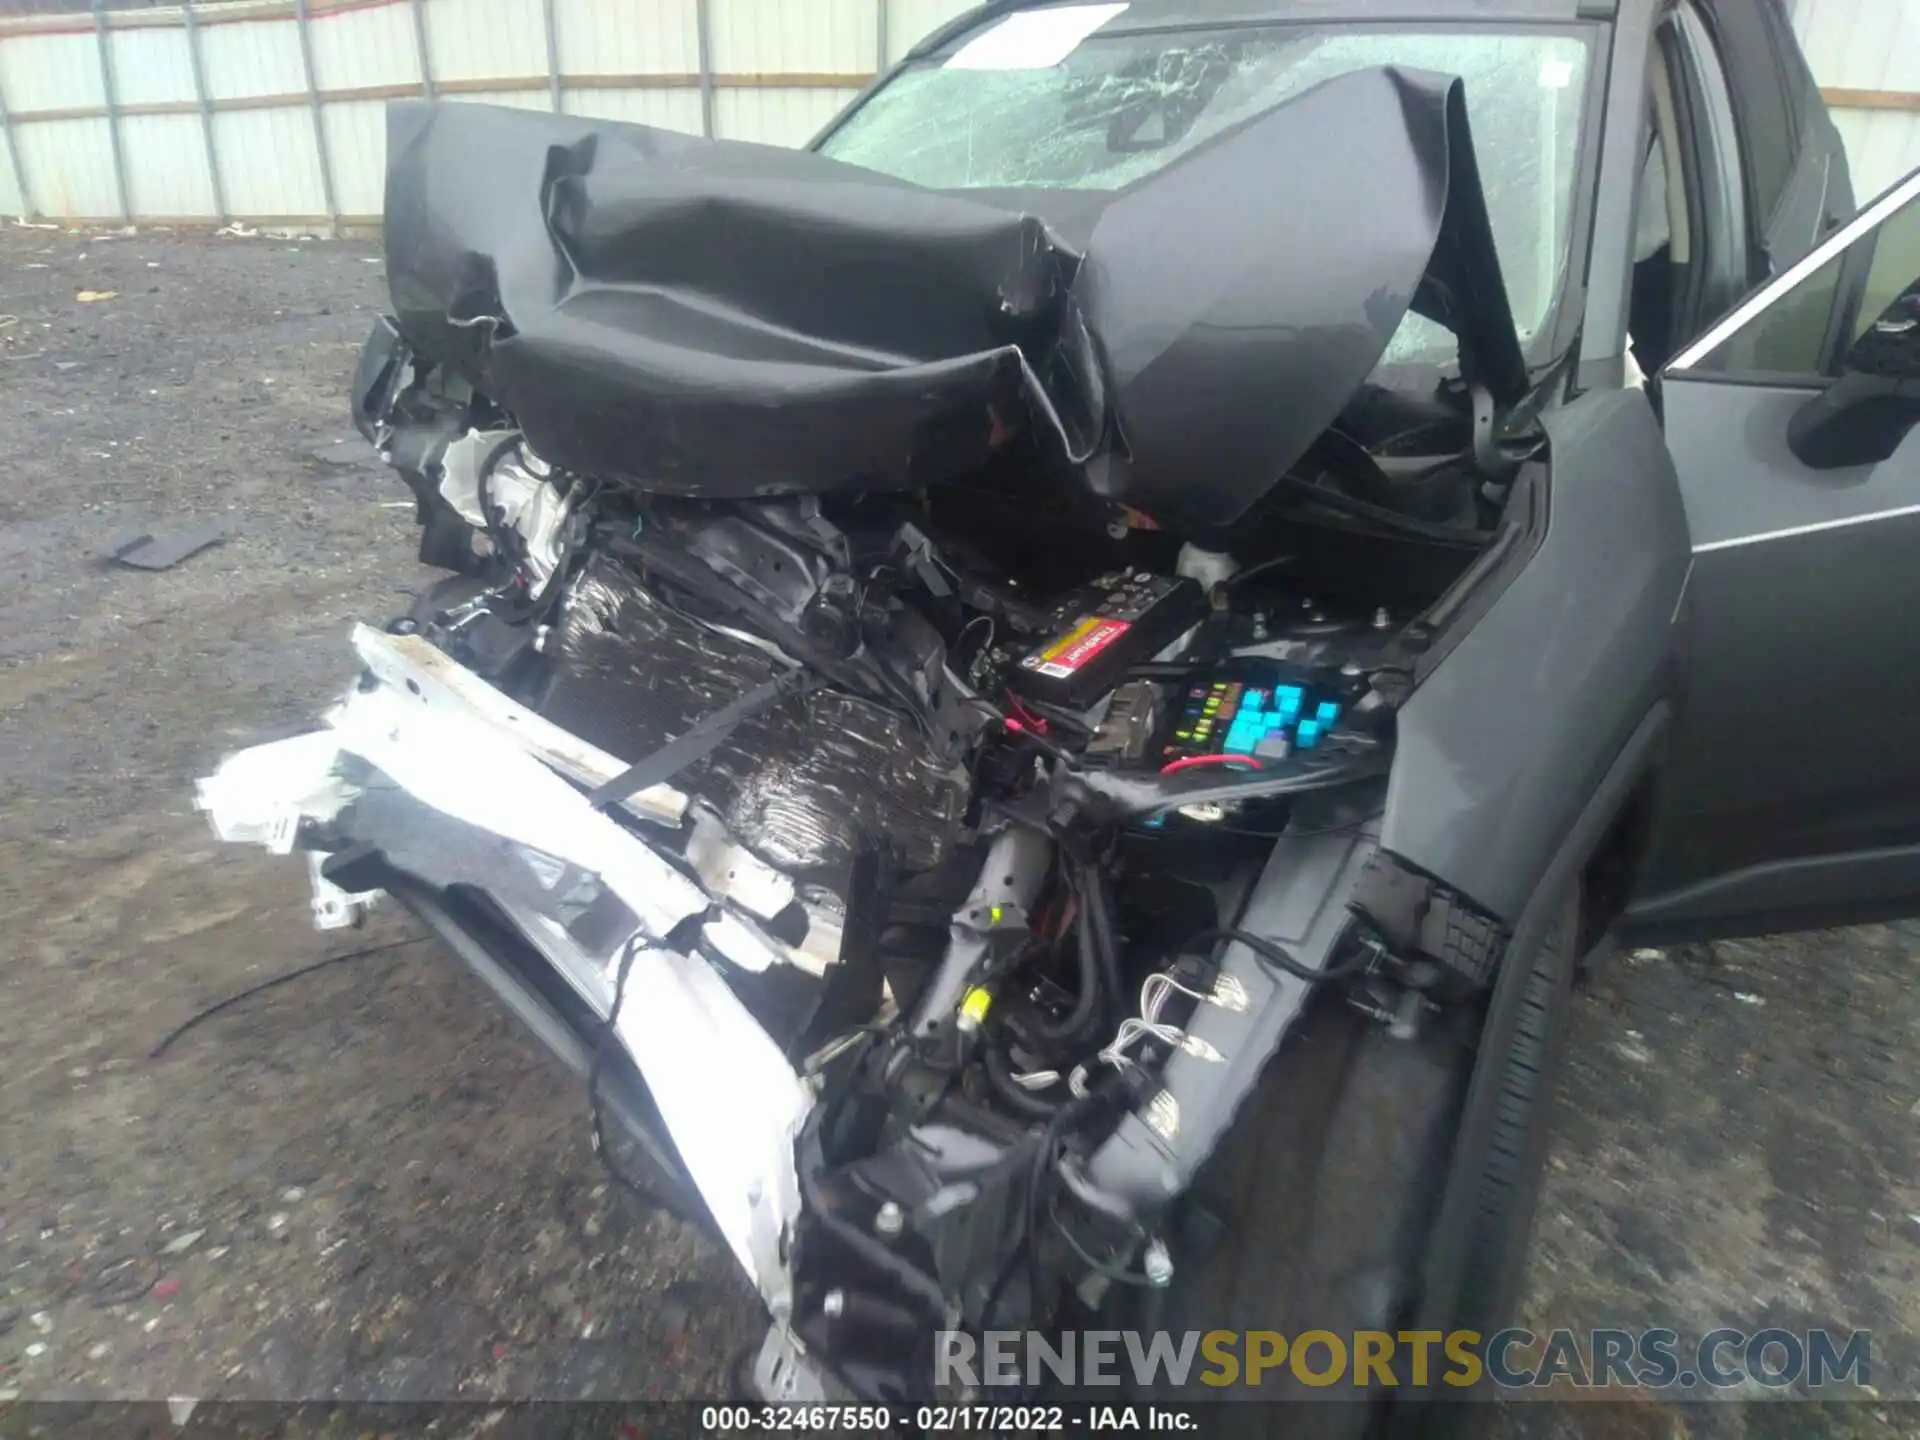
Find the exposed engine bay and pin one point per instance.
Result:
(945, 860)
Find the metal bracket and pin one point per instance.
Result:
(782, 1374)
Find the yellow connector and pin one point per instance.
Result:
(973, 1008)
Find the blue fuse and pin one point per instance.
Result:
(1327, 713)
(1308, 735)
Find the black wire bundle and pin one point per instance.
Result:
(596, 1063)
(1274, 957)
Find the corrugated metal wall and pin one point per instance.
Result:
(224, 111)
(1866, 55)
(220, 111)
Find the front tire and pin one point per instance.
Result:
(1323, 1197)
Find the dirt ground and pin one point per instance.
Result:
(370, 1184)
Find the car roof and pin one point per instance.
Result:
(1158, 14)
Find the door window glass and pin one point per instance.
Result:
(1804, 329)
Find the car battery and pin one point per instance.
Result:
(1256, 717)
(1121, 621)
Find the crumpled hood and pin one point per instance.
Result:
(720, 319)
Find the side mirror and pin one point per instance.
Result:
(1864, 415)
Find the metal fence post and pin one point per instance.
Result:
(703, 29)
(113, 108)
(882, 41)
(319, 125)
(420, 44)
(553, 54)
(27, 212)
(205, 103)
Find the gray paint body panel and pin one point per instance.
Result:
(1729, 444)
(1501, 746)
(1797, 740)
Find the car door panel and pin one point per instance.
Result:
(1820, 194)
(1798, 735)
(1792, 787)
(1797, 181)
(1722, 430)
(1501, 747)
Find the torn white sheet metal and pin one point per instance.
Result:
(730, 871)
(468, 770)
(751, 948)
(590, 973)
(727, 869)
(455, 763)
(518, 487)
(333, 907)
(745, 943)
(411, 664)
(731, 1102)
(826, 931)
(259, 796)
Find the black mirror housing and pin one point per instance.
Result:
(1865, 414)
(1858, 420)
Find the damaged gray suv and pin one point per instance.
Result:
(1047, 697)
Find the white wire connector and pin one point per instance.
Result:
(1226, 992)
(1037, 1079)
(1229, 994)
(1201, 1050)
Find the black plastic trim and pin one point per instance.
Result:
(1804, 893)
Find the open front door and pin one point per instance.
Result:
(1791, 796)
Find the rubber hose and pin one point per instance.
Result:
(1086, 1001)
(1106, 946)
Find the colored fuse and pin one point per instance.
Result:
(1328, 712)
(1308, 735)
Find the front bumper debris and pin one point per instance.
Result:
(455, 785)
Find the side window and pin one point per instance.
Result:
(1813, 320)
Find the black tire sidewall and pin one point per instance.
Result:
(1504, 1179)
(1331, 1184)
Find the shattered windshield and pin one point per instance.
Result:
(1042, 98)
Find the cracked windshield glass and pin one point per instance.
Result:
(1044, 98)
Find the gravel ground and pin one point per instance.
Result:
(369, 1184)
